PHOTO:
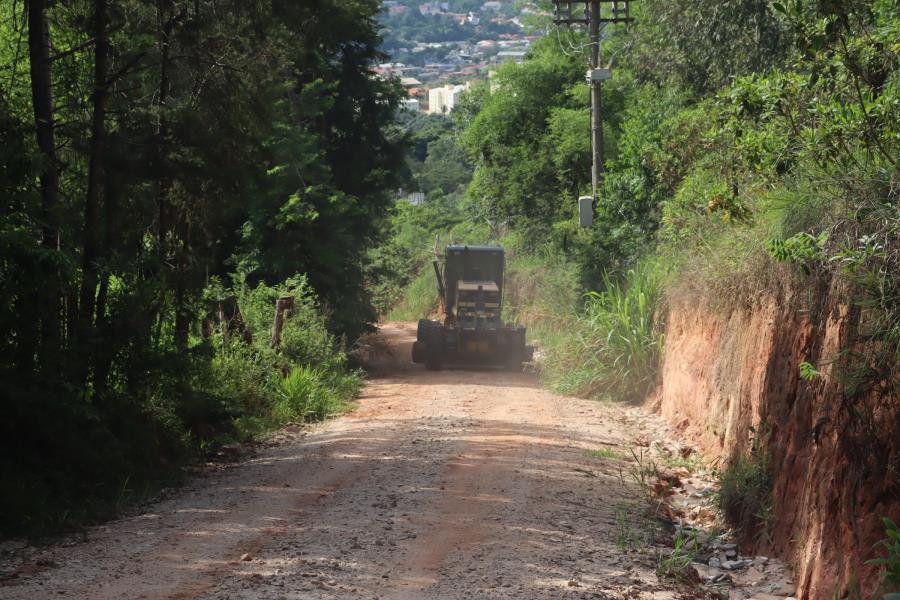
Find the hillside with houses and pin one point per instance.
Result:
(437, 48)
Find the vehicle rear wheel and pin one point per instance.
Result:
(418, 351)
(423, 326)
(434, 349)
(515, 349)
(514, 362)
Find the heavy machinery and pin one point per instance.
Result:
(470, 286)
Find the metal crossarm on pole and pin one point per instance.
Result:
(578, 13)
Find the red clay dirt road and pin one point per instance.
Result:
(439, 485)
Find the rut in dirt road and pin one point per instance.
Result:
(453, 484)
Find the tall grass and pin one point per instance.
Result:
(745, 490)
(541, 291)
(311, 394)
(612, 348)
(419, 299)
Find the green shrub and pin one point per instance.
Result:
(702, 199)
(347, 385)
(50, 477)
(249, 427)
(725, 263)
(305, 340)
(745, 491)
(299, 392)
(541, 289)
(311, 394)
(244, 391)
(890, 563)
(677, 565)
(243, 377)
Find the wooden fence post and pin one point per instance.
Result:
(285, 304)
(223, 321)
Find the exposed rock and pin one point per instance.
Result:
(720, 579)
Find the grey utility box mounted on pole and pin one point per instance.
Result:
(585, 211)
(598, 75)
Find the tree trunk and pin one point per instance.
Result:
(283, 308)
(90, 253)
(168, 219)
(182, 317)
(26, 335)
(103, 356)
(164, 30)
(182, 270)
(224, 319)
(42, 103)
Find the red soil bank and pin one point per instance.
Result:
(836, 460)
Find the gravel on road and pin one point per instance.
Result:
(450, 484)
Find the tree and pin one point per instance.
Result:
(529, 139)
(39, 48)
(706, 43)
(446, 166)
(153, 148)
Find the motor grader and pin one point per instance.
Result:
(472, 332)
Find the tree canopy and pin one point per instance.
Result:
(155, 155)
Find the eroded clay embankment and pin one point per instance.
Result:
(727, 376)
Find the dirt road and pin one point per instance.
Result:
(455, 484)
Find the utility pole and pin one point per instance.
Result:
(595, 82)
(594, 16)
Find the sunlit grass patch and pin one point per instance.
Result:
(607, 453)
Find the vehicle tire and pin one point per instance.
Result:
(434, 349)
(424, 325)
(515, 351)
(418, 351)
(514, 362)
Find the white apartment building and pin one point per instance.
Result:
(410, 104)
(443, 99)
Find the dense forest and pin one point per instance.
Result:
(167, 169)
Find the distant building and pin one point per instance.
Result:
(410, 82)
(410, 104)
(494, 6)
(442, 100)
(516, 55)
